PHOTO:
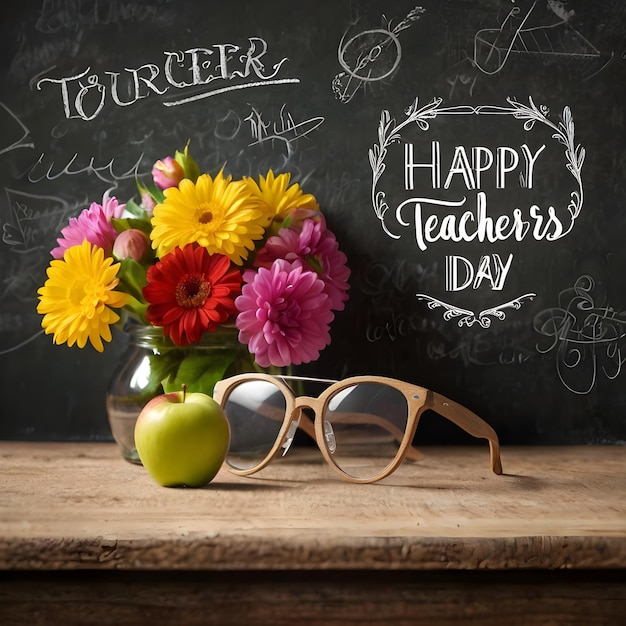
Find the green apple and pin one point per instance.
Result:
(182, 438)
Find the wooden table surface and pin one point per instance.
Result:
(71, 507)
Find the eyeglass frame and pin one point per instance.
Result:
(419, 399)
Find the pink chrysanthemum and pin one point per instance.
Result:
(94, 225)
(313, 245)
(284, 314)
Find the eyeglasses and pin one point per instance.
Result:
(363, 425)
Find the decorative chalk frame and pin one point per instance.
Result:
(563, 132)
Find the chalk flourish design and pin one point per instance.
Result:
(564, 134)
(389, 133)
(469, 318)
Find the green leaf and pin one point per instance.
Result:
(153, 190)
(135, 209)
(162, 368)
(200, 370)
(126, 223)
(132, 277)
(137, 309)
(186, 161)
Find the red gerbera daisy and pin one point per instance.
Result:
(190, 292)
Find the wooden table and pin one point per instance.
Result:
(87, 538)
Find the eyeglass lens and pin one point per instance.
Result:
(363, 425)
(255, 410)
(367, 422)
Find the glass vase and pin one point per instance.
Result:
(153, 365)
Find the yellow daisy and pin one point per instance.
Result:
(76, 299)
(217, 213)
(278, 198)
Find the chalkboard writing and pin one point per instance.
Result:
(469, 155)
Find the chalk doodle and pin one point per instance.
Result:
(227, 126)
(78, 165)
(32, 224)
(463, 79)
(586, 338)
(370, 56)
(22, 343)
(516, 36)
(23, 140)
(481, 349)
(285, 131)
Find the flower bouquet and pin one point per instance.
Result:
(195, 256)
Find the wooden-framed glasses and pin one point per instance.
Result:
(363, 425)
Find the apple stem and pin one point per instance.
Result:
(184, 391)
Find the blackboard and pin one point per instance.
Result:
(468, 154)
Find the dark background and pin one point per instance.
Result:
(548, 372)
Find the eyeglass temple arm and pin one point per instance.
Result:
(363, 418)
(469, 422)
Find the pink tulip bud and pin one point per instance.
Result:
(167, 173)
(131, 243)
(147, 202)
